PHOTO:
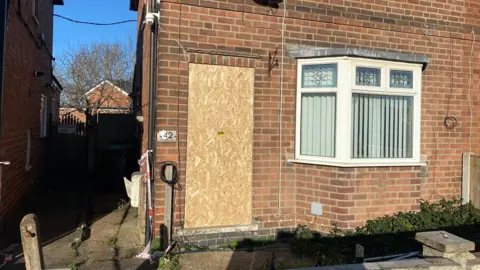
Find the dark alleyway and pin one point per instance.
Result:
(63, 202)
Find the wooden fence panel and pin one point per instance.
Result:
(475, 181)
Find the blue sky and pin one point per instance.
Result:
(67, 34)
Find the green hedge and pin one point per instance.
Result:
(391, 234)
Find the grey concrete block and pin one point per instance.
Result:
(212, 242)
(210, 236)
(444, 241)
(230, 234)
(203, 243)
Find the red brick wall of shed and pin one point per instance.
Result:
(350, 195)
(21, 101)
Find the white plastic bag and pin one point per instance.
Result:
(133, 189)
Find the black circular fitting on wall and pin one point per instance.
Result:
(269, 3)
(450, 122)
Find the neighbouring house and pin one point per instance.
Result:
(108, 98)
(105, 98)
(29, 97)
(324, 113)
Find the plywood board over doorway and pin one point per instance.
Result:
(220, 141)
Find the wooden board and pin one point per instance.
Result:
(475, 181)
(220, 141)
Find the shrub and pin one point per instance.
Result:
(391, 234)
(444, 214)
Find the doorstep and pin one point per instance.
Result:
(218, 230)
(218, 236)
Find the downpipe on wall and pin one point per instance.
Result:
(151, 109)
(3, 29)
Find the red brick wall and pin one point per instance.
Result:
(108, 96)
(142, 71)
(350, 196)
(21, 99)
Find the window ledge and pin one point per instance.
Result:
(301, 51)
(360, 164)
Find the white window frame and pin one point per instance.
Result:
(346, 78)
(54, 111)
(35, 9)
(28, 165)
(44, 116)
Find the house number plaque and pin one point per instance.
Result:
(167, 136)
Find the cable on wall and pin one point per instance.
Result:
(450, 122)
(185, 53)
(434, 193)
(282, 33)
(254, 26)
(470, 91)
(178, 114)
(280, 160)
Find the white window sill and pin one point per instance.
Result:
(359, 164)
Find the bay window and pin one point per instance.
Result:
(358, 112)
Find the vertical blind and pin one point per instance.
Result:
(317, 125)
(381, 126)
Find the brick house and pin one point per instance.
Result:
(108, 97)
(29, 97)
(323, 112)
(104, 97)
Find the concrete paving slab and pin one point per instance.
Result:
(233, 260)
(444, 241)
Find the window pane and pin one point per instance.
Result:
(317, 126)
(401, 79)
(319, 75)
(382, 126)
(368, 76)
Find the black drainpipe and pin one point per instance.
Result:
(3, 31)
(151, 113)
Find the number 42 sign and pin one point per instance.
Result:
(167, 136)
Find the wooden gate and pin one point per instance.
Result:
(68, 148)
(113, 148)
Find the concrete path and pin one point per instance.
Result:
(112, 238)
(58, 210)
(243, 260)
(128, 264)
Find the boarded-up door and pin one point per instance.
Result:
(220, 135)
